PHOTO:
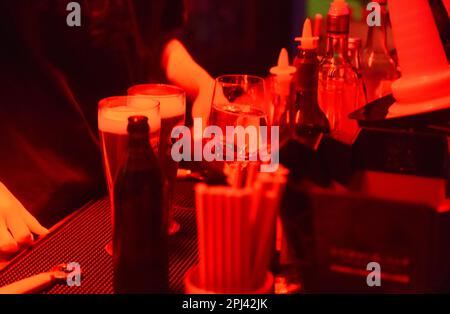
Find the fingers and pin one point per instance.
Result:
(16, 224)
(19, 229)
(7, 243)
(33, 224)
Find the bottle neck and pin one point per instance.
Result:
(337, 45)
(355, 58)
(138, 144)
(308, 98)
(307, 64)
(377, 35)
(310, 54)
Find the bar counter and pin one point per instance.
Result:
(82, 237)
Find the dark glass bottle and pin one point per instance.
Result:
(308, 116)
(140, 218)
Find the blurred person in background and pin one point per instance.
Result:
(52, 78)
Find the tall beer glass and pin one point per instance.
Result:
(113, 113)
(173, 109)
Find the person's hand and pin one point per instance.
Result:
(202, 103)
(17, 225)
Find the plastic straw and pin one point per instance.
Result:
(235, 231)
(262, 238)
(216, 235)
(256, 202)
(211, 239)
(228, 259)
(266, 210)
(246, 199)
(200, 204)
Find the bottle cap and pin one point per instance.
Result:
(283, 67)
(338, 19)
(307, 41)
(138, 124)
(283, 72)
(318, 20)
(339, 7)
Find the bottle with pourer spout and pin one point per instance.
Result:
(338, 91)
(282, 101)
(308, 116)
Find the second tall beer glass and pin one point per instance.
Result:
(173, 109)
(113, 113)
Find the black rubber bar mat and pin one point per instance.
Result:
(82, 239)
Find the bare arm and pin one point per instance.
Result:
(182, 70)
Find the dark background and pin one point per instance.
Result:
(245, 36)
(237, 36)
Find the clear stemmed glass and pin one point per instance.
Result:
(238, 101)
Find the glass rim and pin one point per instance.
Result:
(123, 100)
(175, 90)
(220, 78)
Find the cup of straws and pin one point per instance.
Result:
(236, 235)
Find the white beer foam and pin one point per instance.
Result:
(172, 99)
(115, 119)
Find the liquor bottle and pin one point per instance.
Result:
(308, 117)
(379, 69)
(338, 81)
(140, 238)
(354, 54)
